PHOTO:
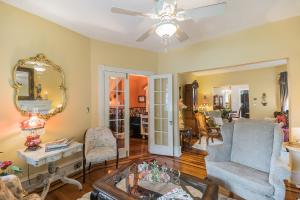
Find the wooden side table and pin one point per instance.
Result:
(40, 157)
(291, 191)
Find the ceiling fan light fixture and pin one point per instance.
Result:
(166, 30)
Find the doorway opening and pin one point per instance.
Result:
(210, 98)
(139, 114)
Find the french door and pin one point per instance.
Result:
(161, 114)
(117, 108)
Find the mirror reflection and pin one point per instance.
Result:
(39, 86)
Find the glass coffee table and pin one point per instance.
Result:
(152, 179)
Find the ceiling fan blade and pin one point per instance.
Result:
(181, 35)
(202, 12)
(131, 13)
(146, 34)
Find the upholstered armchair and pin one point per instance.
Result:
(11, 189)
(100, 145)
(248, 162)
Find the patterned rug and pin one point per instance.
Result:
(87, 197)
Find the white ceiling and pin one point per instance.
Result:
(93, 18)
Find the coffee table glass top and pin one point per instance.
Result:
(151, 179)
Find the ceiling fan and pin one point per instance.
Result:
(168, 14)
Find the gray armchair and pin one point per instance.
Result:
(248, 162)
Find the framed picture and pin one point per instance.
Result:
(141, 99)
(25, 77)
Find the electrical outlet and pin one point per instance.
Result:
(77, 165)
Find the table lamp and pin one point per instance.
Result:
(294, 149)
(32, 128)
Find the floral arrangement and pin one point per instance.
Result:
(7, 168)
(153, 172)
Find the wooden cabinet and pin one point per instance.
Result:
(190, 99)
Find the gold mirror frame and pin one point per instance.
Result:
(42, 59)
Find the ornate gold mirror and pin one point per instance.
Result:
(39, 86)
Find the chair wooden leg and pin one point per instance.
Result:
(83, 167)
(90, 165)
(200, 139)
(212, 139)
(117, 163)
(105, 162)
(207, 140)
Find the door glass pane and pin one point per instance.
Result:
(165, 138)
(121, 128)
(112, 126)
(165, 125)
(112, 113)
(121, 98)
(157, 99)
(164, 98)
(157, 85)
(158, 138)
(112, 84)
(164, 84)
(121, 84)
(121, 110)
(157, 126)
(164, 111)
(112, 98)
(157, 111)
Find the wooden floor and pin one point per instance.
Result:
(192, 163)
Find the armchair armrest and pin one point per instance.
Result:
(13, 183)
(279, 171)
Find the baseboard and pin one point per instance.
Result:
(177, 151)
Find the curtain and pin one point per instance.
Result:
(283, 82)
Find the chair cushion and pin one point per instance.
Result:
(236, 174)
(100, 154)
(252, 144)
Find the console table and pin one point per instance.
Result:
(40, 157)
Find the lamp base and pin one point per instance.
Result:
(32, 148)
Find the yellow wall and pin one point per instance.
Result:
(259, 81)
(268, 42)
(23, 35)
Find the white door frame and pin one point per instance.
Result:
(101, 86)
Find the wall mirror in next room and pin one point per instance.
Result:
(39, 86)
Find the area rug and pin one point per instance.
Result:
(87, 197)
(202, 145)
